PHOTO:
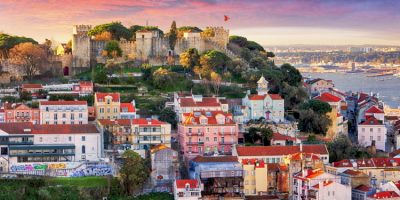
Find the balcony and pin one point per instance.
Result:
(226, 143)
(150, 141)
(195, 143)
(195, 134)
(226, 133)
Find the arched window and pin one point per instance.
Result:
(83, 149)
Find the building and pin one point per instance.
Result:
(107, 105)
(19, 112)
(271, 107)
(128, 110)
(255, 177)
(318, 185)
(26, 144)
(81, 88)
(278, 178)
(220, 176)
(190, 103)
(278, 154)
(63, 112)
(283, 140)
(318, 86)
(136, 134)
(338, 123)
(207, 133)
(353, 178)
(372, 132)
(33, 89)
(187, 189)
(361, 192)
(165, 165)
(384, 195)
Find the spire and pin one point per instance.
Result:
(262, 88)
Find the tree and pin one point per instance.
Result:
(134, 171)
(25, 96)
(252, 134)
(342, 148)
(162, 78)
(217, 60)
(266, 135)
(7, 42)
(113, 50)
(291, 75)
(173, 35)
(312, 122)
(239, 40)
(116, 29)
(252, 46)
(29, 56)
(216, 82)
(104, 36)
(257, 62)
(317, 106)
(189, 58)
(168, 115)
(100, 77)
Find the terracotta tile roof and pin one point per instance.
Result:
(47, 103)
(86, 83)
(363, 188)
(371, 121)
(301, 156)
(327, 97)
(353, 172)
(362, 97)
(258, 163)
(273, 167)
(278, 136)
(182, 183)
(127, 122)
(325, 183)
(279, 150)
(374, 109)
(127, 107)
(367, 163)
(256, 97)
(31, 86)
(311, 173)
(275, 96)
(394, 153)
(115, 96)
(210, 115)
(215, 159)
(206, 102)
(18, 106)
(384, 195)
(29, 128)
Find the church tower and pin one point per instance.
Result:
(262, 88)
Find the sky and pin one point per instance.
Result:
(269, 22)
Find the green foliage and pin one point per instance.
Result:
(9, 41)
(155, 196)
(317, 106)
(25, 96)
(88, 98)
(10, 99)
(65, 97)
(101, 76)
(266, 135)
(116, 29)
(172, 36)
(35, 104)
(168, 115)
(218, 61)
(189, 28)
(113, 49)
(134, 171)
(251, 45)
(239, 40)
(255, 134)
(342, 148)
(312, 122)
(291, 75)
(257, 62)
(189, 58)
(135, 28)
(163, 78)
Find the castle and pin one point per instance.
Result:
(149, 46)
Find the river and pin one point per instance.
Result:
(388, 87)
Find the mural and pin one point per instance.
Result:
(31, 167)
(93, 170)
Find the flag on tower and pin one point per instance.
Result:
(226, 18)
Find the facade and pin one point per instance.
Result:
(361, 192)
(255, 177)
(278, 178)
(207, 133)
(372, 131)
(27, 143)
(81, 88)
(283, 140)
(20, 113)
(63, 112)
(187, 189)
(136, 134)
(164, 164)
(128, 110)
(34, 89)
(318, 86)
(384, 195)
(271, 107)
(107, 105)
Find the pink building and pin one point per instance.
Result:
(207, 133)
(84, 88)
(20, 113)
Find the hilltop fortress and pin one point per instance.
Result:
(149, 46)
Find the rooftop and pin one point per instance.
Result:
(48, 103)
(100, 96)
(279, 150)
(127, 122)
(182, 183)
(327, 97)
(215, 159)
(384, 195)
(29, 128)
(374, 109)
(205, 102)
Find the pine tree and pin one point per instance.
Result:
(173, 35)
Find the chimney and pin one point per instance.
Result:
(301, 147)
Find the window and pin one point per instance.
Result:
(55, 116)
(215, 139)
(379, 130)
(80, 115)
(64, 115)
(190, 130)
(83, 138)
(371, 129)
(379, 138)
(70, 138)
(363, 130)
(207, 139)
(72, 116)
(371, 138)
(83, 149)
(40, 139)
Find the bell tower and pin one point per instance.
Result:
(262, 87)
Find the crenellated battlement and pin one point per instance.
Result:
(81, 29)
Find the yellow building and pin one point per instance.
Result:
(334, 116)
(107, 105)
(255, 177)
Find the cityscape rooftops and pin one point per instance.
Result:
(181, 184)
(53, 103)
(327, 97)
(101, 96)
(29, 128)
(279, 150)
(127, 122)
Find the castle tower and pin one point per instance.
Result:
(262, 87)
(145, 41)
(81, 48)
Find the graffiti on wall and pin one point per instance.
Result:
(93, 170)
(38, 166)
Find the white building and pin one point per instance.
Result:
(63, 112)
(128, 110)
(34, 145)
(372, 131)
(187, 190)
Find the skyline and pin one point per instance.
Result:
(273, 22)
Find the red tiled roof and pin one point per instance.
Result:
(215, 159)
(115, 96)
(384, 195)
(206, 102)
(363, 188)
(371, 121)
(31, 86)
(327, 97)
(301, 156)
(256, 97)
(18, 106)
(352, 172)
(258, 163)
(368, 162)
(394, 153)
(86, 83)
(325, 183)
(47, 103)
(128, 106)
(182, 183)
(29, 128)
(278, 136)
(362, 97)
(374, 109)
(279, 150)
(275, 96)
(311, 173)
(126, 122)
(211, 119)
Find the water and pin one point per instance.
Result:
(388, 87)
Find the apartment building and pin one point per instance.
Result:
(107, 105)
(63, 112)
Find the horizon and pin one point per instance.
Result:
(273, 23)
